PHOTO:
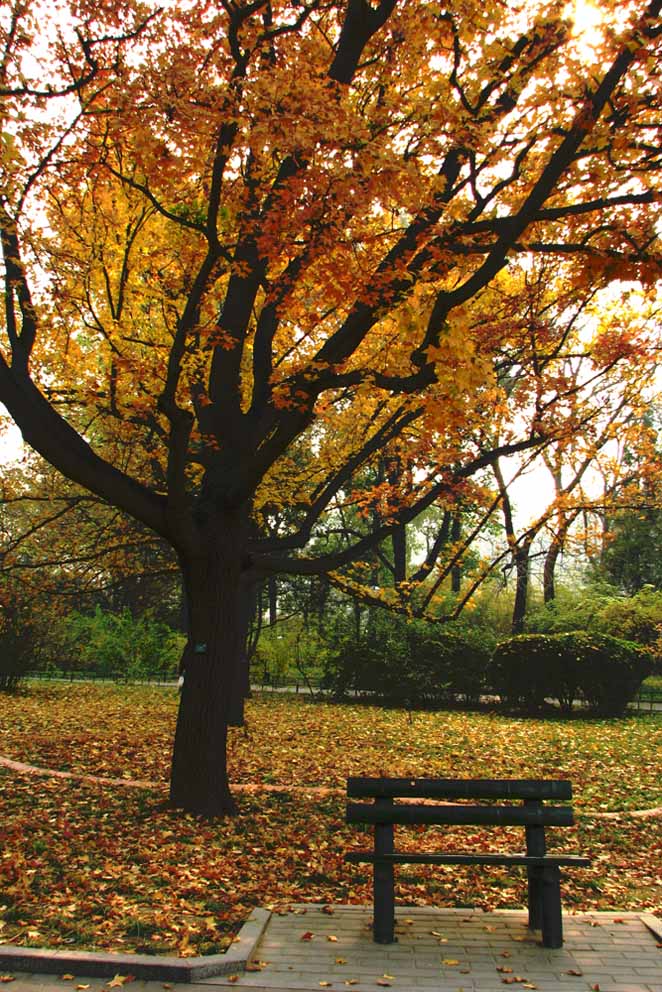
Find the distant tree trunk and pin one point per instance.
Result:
(241, 685)
(399, 542)
(553, 554)
(522, 569)
(519, 553)
(272, 592)
(456, 570)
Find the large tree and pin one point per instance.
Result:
(236, 233)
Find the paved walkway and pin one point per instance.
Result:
(448, 950)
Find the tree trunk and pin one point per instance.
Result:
(456, 570)
(272, 589)
(199, 781)
(399, 542)
(521, 557)
(551, 558)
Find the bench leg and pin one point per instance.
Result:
(383, 883)
(552, 926)
(384, 904)
(535, 886)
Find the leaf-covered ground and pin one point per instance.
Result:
(95, 866)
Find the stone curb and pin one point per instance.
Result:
(653, 924)
(145, 966)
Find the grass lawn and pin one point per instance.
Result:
(92, 866)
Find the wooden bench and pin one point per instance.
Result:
(544, 893)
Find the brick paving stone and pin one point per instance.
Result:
(619, 957)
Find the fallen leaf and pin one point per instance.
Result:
(67, 978)
(308, 935)
(81, 988)
(117, 982)
(574, 971)
(506, 954)
(332, 938)
(329, 910)
(382, 981)
(450, 961)
(351, 981)
(529, 985)
(504, 969)
(325, 985)
(595, 988)
(341, 960)
(233, 978)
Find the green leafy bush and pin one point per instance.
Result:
(606, 672)
(120, 644)
(411, 662)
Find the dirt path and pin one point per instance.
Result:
(313, 790)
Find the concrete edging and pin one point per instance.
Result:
(653, 924)
(98, 964)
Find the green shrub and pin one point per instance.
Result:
(611, 671)
(606, 672)
(119, 643)
(411, 663)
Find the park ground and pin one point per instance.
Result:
(105, 865)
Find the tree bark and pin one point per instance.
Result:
(548, 579)
(456, 570)
(399, 542)
(199, 780)
(521, 558)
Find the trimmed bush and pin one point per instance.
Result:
(411, 663)
(605, 671)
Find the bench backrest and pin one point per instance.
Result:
(458, 788)
(532, 812)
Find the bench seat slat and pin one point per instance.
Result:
(411, 813)
(444, 788)
(527, 861)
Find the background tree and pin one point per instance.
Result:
(233, 233)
